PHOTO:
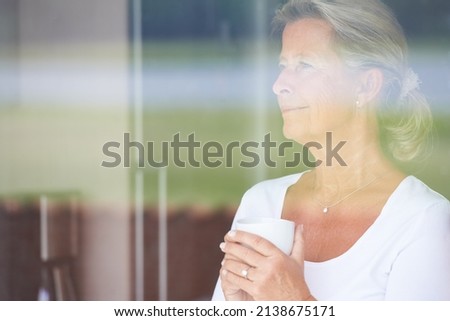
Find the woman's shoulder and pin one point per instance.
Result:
(419, 194)
(420, 204)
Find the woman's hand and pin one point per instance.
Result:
(254, 268)
(232, 291)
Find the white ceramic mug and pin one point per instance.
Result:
(278, 231)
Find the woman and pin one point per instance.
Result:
(365, 230)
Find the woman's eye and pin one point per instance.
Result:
(302, 66)
(298, 67)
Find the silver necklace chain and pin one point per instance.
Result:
(327, 207)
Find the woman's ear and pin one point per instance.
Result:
(370, 84)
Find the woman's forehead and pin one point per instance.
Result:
(307, 38)
(314, 26)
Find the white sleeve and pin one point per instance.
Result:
(422, 270)
(218, 294)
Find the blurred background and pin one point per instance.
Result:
(75, 75)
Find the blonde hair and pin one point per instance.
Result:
(368, 35)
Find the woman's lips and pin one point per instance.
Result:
(289, 109)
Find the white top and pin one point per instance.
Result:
(404, 255)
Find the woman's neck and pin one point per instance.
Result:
(354, 162)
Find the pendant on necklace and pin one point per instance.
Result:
(325, 210)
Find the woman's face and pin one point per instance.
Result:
(316, 92)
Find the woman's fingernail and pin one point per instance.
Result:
(222, 263)
(222, 246)
(232, 233)
(224, 272)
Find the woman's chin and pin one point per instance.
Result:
(295, 133)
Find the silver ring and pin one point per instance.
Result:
(244, 272)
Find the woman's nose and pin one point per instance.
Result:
(281, 85)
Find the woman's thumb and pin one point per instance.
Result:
(297, 249)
